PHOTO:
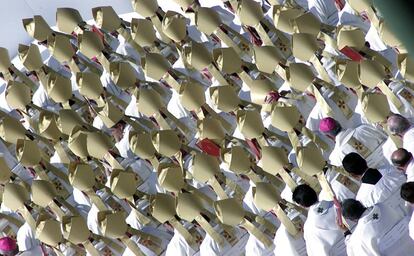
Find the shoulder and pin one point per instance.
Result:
(320, 209)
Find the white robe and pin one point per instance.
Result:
(324, 10)
(398, 88)
(26, 239)
(163, 236)
(256, 247)
(317, 113)
(286, 244)
(347, 16)
(380, 231)
(14, 165)
(210, 248)
(411, 226)
(369, 136)
(31, 252)
(409, 172)
(387, 149)
(321, 233)
(408, 140)
(179, 246)
(386, 191)
(341, 191)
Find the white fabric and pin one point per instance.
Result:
(386, 191)
(341, 191)
(14, 165)
(408, 140)
(324, 10)
(321, 233)
(165, 238)
(387, 149)
(317, 113)
(285, 244)
(210, 248)
(34, 251)
(369, 136)
(398, 88)
(409, 171)
(411, 226)
(380, 231)
(347, 16)
(26, 238)
(179, 246)
(256, 247)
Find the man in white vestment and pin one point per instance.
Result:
(365, 139)
(377, 185)
(402, 127)
(322, 234)
(404, 161)
(380, 230)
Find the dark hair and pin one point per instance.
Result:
(305, 195)
(354, 164)
(407, 192)
(336, 130)
(352, 209)
(401, 157)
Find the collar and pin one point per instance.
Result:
(371, 176)
(322, 207)
(372, 214)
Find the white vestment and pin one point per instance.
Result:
(411, 226)
(178, 246)
(364, 137)
(347, 16)
(233, 245)
(386, 191)
(350, 120)
(146, 245)
(26, 239)
(406, 95)
(324, 10)
(286, 244)
(408, 140)
(322, 234)
(254, 246)
(380, 231)
(344, 187)
(409, 172)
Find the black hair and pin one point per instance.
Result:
(305, 195)
(352, 209)
(336, 130)
(407, 192)
(354, 164)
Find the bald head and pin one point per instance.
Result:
(397, 124)
(401, 157)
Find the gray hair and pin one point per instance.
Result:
(397, 124)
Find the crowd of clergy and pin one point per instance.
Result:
(208, 127)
